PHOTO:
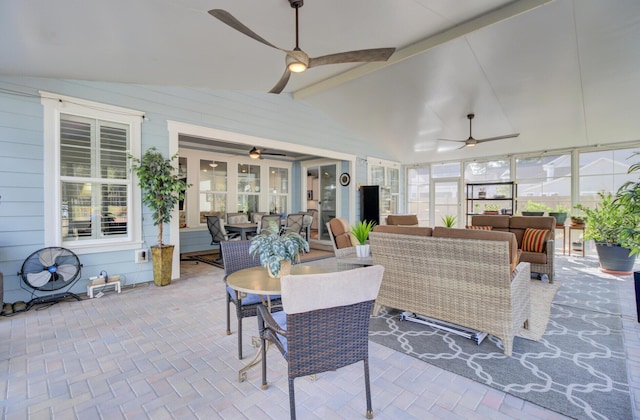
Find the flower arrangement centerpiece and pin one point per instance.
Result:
(277, 252)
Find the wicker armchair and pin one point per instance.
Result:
(236, 257)
(324, 326)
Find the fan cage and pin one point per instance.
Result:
(51, 260)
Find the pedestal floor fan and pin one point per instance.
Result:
(51, 270)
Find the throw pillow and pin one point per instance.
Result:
(534, 240)
(480, 227)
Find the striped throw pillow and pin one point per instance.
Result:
(534, 240)
(480, 227)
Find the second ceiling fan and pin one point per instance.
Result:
(470, 142)
(297, 60)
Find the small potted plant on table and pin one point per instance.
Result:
(560, 213)
(162, 188)
(533, 208)
(361, 232)
(277, 252)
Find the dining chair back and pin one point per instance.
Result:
(294, 223)
(324, 325)
(267, 218)
(236, 257)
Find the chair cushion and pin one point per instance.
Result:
(341, 232)
(534, 240)
(250, 299)
(480, 227)
(402, 219)
(281, 320)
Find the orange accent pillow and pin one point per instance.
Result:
(480, 227)
(534, 240)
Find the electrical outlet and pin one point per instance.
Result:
(141, 256)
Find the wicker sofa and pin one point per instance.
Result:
(461, 276)
(541, 262)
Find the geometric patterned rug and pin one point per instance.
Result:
(577, 367)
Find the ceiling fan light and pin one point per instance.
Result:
(470, 144)
(254, 154)
(297, 67)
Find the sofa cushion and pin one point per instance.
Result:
(534, 240)
(402, 219)
(518, 224)
(533, 257)
(404, 230)
(480, 227)
(485, 235)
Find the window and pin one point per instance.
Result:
(278, 190)
(248, 188)
(387, 176)
(418, 193)
(544, 180)
(212, 189)
(604, 170)
(88, 185)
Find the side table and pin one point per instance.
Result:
(579, 228)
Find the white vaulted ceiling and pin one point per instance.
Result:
(562, 73)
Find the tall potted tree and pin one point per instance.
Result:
(162, 188)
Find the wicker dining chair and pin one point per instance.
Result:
(324, 325)
(236, 257)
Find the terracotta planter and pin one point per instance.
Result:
(162, 259)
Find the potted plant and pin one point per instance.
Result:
(162, 188)
(560, 213)
(449, 221)
(628, 197)
(605, 224)
(361, 232)
(533, 208)
(491, 208)
(277, 252)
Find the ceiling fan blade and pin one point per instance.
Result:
(458, 141)
(508, 136)
(226, 17)
(273, 154)
(358, 56)
(282, 82)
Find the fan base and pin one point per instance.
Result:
(51, 298)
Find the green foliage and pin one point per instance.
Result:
(561, 209)
(628, 197)
(492, 207)
(535, 206)
(361, 231)
(161, 185)
(449, 221)
(272, 247)
(611, 221)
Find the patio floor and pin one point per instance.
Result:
(162, 353)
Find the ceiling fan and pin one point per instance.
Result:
(297, 60)
(470, 142)
(256, 153)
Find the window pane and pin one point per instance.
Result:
(113, 151)
(490, 171)
(445, 170)
(248, 178)
(278, 180)
(75, 146)
(81, 222)
(544, 180)
(212, 188)
(604, 170)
